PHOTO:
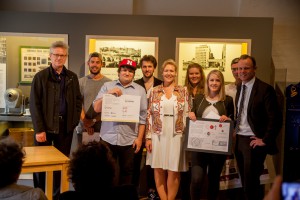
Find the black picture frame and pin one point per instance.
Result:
(221, 144)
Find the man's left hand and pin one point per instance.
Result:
(255, 141)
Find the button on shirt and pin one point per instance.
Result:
(245, 128)
(123, 133)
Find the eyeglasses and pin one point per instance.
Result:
(234, 69)
(59, 55)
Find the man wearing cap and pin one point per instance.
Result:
(90, 121)
(123, 138)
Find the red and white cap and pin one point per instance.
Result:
(128, 62)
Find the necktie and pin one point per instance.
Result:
(239, 116)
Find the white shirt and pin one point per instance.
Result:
(245, 128)
(230, 90)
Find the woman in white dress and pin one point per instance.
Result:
(167, 112)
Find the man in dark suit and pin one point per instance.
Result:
(257, 126)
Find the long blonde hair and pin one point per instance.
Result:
(219, 74)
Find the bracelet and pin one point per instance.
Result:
(148, 139)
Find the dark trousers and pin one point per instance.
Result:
(62, 142)
(251, 165)
(124, 156)
(203, 163)
(185, 181)
(137, 166)
(137, 171)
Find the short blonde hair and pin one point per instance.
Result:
(169, 62)
(219, 74)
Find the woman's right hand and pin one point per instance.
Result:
(148, 145)
(192, 116)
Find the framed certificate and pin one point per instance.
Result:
(209, 135)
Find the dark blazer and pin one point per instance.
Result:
(263, 114)
(142, 83)
(224, 107)
(44, 101)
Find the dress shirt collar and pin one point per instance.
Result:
(129, 85)
(250, 83)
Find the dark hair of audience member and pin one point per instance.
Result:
(92, 168)
(11, 160)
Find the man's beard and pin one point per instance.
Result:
(148, 76)
(95, 73)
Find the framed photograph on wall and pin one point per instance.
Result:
(32, 60)
(115, 48)
(210, 53)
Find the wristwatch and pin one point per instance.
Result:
(94, 120)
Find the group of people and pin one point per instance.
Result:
(61, 103)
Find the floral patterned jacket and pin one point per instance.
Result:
(155, 113)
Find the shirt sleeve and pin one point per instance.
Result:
(143, 107)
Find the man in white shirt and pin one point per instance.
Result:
(230, 89)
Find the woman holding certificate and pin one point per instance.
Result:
(167, 112)
(213, 104)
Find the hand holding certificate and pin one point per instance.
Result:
(125, 108)
(209, 135)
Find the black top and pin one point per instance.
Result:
(142, 83)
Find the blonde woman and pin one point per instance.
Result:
(214, 101)
(167, 112)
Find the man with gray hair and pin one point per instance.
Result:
(55, 106)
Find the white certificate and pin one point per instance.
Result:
(209, 135)
(125, 108)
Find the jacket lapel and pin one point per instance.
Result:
(238, 91)
(253, 92)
